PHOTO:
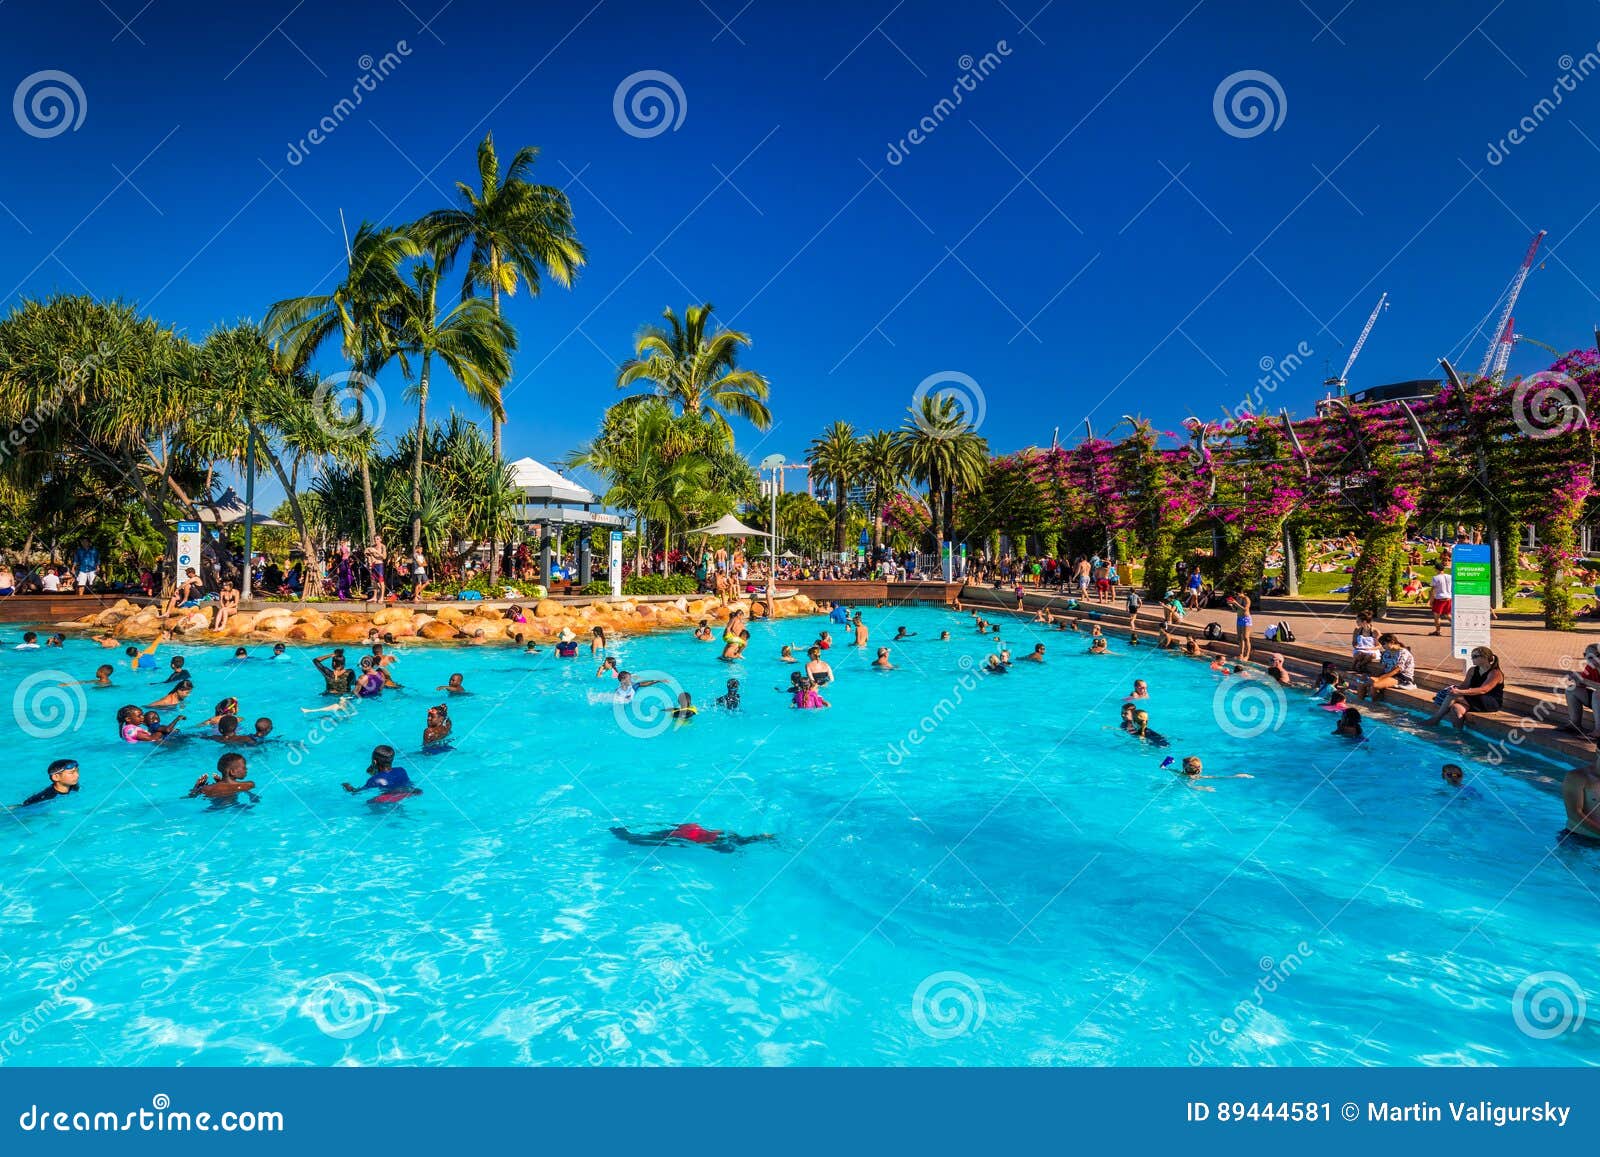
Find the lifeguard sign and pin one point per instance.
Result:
(1470, 598)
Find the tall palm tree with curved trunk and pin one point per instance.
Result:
(941, 449)
(837, 456)
(514, 231)
(697, 371)
(882, 470)
(472, 341)
(354, 314)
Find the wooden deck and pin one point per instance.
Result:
(874, 592)
(56, 608)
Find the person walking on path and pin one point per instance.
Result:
(1440, 594)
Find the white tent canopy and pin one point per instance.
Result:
(730, 527)
(542, 484)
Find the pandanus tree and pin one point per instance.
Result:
(837, 457)
(355, 316)
(695, 369)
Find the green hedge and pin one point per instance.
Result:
(650, 584)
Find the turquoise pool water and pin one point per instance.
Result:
(969, 870)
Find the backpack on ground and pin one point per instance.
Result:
(1213, 631)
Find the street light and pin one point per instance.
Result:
(774, 463)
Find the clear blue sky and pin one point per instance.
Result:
(1080, 236)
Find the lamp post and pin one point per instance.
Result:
(774, 463)
(249, 510)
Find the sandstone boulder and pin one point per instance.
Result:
(306, 632)
(437, 630)
(548, 609)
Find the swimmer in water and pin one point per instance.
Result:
(105, 639)
(153, 724)
(176, 696)
(240, 654)
(278, 650)
(225, 707)
(1097, 646)
(102, 678)
(685, 710)
(1192, 769)
(817, 667)
(454, 686)
(1277, 672)
(1126, 721)
(787, 654)
(687, 835)
(730, 698)
(1141, 730)
(995, 665)
(1034, 656)
(130, 726)
(861, 632)
(944, 636)
(806, 696)
(1336, 702)
(336, 677)
(230, 782)
(369, 685)
(63, 775)
(607, 669)
(882, 661)
(703, 632)
(902, 633)
(390, 782)
(597, 640)
(228, 731)
(1580, 794)
(1349, 725)
(1327, 678)
(1141, 690)
(345, 704)
(263, 729)
(437, 729)
(176, 671)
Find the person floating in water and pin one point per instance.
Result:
(902, 633)
(1349, 725)
(1192, 769)
(175, 697)
(63, 775)
(230, 782)
(437, 730)
(102, 678)
(454, 686)
(392, 783)
(686, 835)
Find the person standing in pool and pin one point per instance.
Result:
(882, 663)
(336, 676)
(730, 698)
(63, 775)
(231, 781)
(861, 631)
(437, 730)
(390, 782)
(455, 686)
(817, 667)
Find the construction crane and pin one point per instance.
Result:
(1355, 350)
(1499, 351)
(1544, 345)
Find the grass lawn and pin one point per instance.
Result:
(1321, 584)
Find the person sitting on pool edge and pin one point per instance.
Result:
(690, 834)
(63, 775)
(391, 783)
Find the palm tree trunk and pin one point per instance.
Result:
(950, 510)
(936, 523)
(494, 422)
(416, 462)
(310, 570)
(366, 475)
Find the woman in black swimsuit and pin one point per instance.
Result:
(1484, 692)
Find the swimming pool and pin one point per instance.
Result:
(970, 869)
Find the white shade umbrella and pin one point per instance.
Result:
(730, 527)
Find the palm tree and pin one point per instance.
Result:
(837, 456)
(472, 341)
(883, 471)
(515, 230)
(696, 372)
(940, 449)
(356, 314)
